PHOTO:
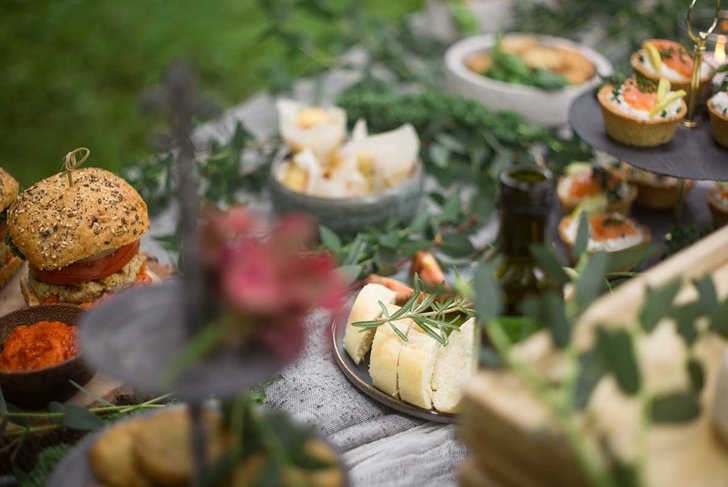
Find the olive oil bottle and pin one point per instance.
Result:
(524, 203)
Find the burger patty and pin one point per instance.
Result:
(89, 291)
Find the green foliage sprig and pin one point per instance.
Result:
(613, 354)
(434, 316)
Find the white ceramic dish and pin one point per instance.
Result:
(548, 108)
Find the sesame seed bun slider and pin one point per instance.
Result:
(80, 235)
(9, 263)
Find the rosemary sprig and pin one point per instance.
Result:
(432, 316)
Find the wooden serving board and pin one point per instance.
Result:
(100, 385)
(513, 440)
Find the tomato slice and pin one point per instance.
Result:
(81, 272)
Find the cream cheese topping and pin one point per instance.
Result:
(609, 245)
(719, 102)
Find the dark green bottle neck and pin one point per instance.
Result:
(518, 232)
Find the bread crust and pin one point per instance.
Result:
(9, 188)
(54, 224)
(633, 131)
(718, 125)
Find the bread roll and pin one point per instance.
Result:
(358, 341)
(385, 354)
(455, 364)
(416, 365)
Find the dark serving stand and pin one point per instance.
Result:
(692, 153)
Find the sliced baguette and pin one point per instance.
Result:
(455, 364)
(386, 348)
(358, 341)
(416, 365)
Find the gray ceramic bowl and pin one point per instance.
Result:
(36, 388)
(351, 215)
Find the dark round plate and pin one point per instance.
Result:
(692, 153)
(136, 337)
(359, 375)
(74, 470)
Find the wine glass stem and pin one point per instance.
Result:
(690, 120)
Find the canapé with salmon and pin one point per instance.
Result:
(662, 58)
(641, 113)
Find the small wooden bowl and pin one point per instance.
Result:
(36, 388)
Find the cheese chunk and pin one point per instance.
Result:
(416, 365)
(385, 354)
(455, 364)
(358, 341)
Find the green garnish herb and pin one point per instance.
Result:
(510, 68)
(9, 242)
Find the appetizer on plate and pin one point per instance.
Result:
(407, 363)
(524, 60)
(322, 130)
(718, 110)
(155, 450)
(81, 240)
(583, 181)
(366, 164)
(641, 113)
(655, 191)
(10, 263)
(718, 204)
(662, 58)
(608, 232)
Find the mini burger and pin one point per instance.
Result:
(81, 240)
(9, 263)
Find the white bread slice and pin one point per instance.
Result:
(358, 341)
(455, 365)
(416, 364)
(385, 354)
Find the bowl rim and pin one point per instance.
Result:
(416, 175)
(455, 63)
(20, 373)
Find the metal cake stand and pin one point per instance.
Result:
(692, 153)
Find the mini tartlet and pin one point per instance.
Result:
(718, 204)
(655, 191)
(662, 58)
(641, 114)
(583, 182)
(608, 232)
(718, 110)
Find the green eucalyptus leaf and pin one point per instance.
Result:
(358, 247)
(408, 248)
(617, 352)
(719, 319)
(591, 370)
(80, 418)
(591, 283)
(351, 272)
(385, 259)
(389, 239)
(451, 209)
(548, 309)
(488, 296)
(685, 317)
(658, 303)
(329, 239)
(707, 294)
(490, 358)
(631, 258)
(439, 155)
(549, 263)
(456, 245)
(675, 407)
(697, 375)
(582, 235)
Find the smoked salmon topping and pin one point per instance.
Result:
(606, 227)
(675, 56)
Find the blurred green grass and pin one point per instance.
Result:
(73, 70)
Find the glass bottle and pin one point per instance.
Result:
(524, 202)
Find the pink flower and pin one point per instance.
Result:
(249, 279)
(284, 338)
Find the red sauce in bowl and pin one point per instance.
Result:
(38, 345)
